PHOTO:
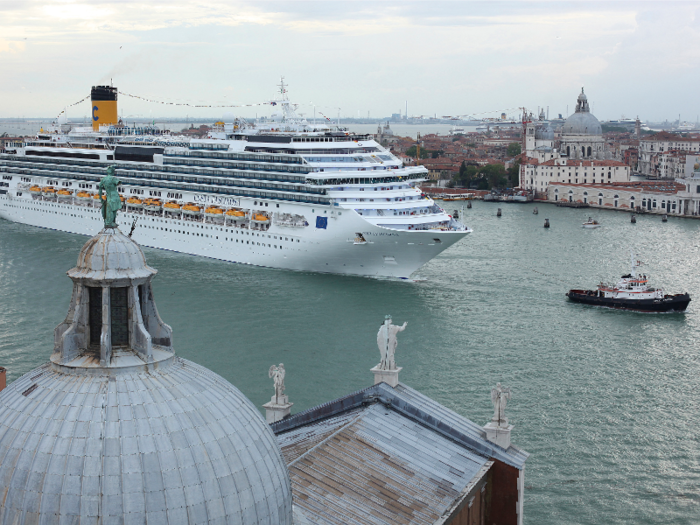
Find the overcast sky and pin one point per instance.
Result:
(444, 58)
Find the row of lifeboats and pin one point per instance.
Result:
(195, 210)
(50, 191)
(152, 204)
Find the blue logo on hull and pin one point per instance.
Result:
(322, 222)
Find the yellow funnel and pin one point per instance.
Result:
(104, 106)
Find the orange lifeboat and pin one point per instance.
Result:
(153, 204)
(49, 190)
(172, 206)
(191, 209)
(236, 215)
(134, 202)
(260, 219)
(213, 211)
(36, 190)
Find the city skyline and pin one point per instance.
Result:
(352, 58)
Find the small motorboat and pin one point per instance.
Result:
(591, 223)
(631, 293)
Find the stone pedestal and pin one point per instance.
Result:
(277, 409)
(390, 377)
(498, 434)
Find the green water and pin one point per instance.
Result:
(605, 401)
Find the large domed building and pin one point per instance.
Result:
(116, 428)
(582, 134)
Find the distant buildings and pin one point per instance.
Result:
(580, 159)
(662, 155)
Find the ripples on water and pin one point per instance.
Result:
(605, 401)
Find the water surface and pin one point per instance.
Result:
(605, 401)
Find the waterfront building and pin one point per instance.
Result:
(660, 197)
(654, 150)
(536, 176)
(689, 196)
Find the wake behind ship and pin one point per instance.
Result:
(283, 193)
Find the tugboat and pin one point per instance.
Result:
(631, 293)
(591, 223)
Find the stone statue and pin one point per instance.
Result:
(277, 374)
(112, 203)
(386, 340)
(499, 396)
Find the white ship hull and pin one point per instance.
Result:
(386, 252)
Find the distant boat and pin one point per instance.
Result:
(591, 223)
(631, 293)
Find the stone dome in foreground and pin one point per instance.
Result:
(110, 255)
(117, 429)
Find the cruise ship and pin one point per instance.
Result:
(281, 193)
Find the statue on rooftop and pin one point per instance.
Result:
(111, 203)
(277, 374)
(386, 340)
(499, 396)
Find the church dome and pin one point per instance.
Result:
(117, 429)
(178, 445)
(582, 122)
(544, 133)
(111, 255)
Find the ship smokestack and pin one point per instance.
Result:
(104, 106)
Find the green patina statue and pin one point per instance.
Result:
(111, 204)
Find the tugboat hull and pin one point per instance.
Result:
(669, 303)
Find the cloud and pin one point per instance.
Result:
(12, 46)
(443, 57)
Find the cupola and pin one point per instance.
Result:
(112, 319)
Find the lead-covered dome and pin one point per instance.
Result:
(177, 445)
(117, 429)
(111, 255)
(544, 133)
(582, 122)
